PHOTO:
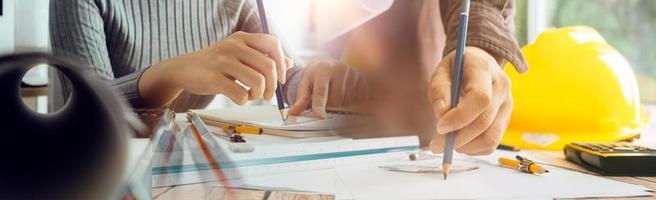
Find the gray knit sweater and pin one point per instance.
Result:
(119, 39)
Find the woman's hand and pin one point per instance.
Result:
(255, 60)
(328, 82)
(483, 112)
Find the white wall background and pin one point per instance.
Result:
(31, 25)
(7, 27)
(24, 27)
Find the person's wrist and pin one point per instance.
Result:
(157, 85)
(499, 59)
(166, 76)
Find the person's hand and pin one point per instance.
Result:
(484, 108)
(328, 82)
(255, 60)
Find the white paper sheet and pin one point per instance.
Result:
(490, 181)
(323, 181)
(318, 181)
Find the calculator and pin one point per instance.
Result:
(613, 159)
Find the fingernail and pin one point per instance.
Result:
(282, 79)
(291, 65)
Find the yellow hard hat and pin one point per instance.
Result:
(578, 89)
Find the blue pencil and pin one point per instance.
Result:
(455, 87)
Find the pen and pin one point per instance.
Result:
(455, 88)
(265, 30)
(523, 165)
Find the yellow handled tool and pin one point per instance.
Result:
(523, 165)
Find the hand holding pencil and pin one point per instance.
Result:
(485, 105)
(474, 124)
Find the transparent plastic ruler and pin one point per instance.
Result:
(192, 167)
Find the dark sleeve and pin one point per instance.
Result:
(77, 32)
(491, 27)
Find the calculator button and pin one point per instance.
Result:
(626, 149)
(604, 147)
(596, 149)
(625, 144)
(582, 145)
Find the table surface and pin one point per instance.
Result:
(208, 191)
(34, 91)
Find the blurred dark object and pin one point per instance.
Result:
(77, 152)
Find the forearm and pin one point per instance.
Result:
(156, 87)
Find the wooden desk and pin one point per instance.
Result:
(34, 91)
(205, 191)
(556, 158)
(30, 96)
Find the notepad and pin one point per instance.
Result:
(268, 118)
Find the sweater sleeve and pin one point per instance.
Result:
(491, 27)
(77, 32)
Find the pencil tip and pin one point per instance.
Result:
(445, 169)
(284, 118)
